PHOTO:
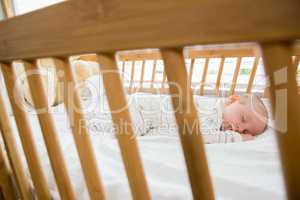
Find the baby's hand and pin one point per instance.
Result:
(247, 137)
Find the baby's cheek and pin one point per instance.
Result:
(230, 117)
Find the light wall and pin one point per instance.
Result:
(22, 6)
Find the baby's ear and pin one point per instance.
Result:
(232, 99)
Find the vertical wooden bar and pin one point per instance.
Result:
(282, 74)
(203, 79)
(296, 61)
(252, 75)
(12, 151)
(190, 75)
(6, 183)
(235, 75)
(123, 127)
(220, 71)
(131, 85)
(49, 131)
(142, 74)
(188, 124)
(80, 130)
(191, 70)
(153, 73)
(163, 89)
(123, 69)
(25, 132)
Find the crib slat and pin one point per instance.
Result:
(163, 88)
(124, 130)
(12, 151)
(190, 75)
(123, 69)
(252, 75)
(142, 74)
(25, 132)
(220, 71)
(39, 97)
(282, 74)
(6, 184)
(235, 75)
(153, 73)
(80, 131)
(188, 125)
(131, 85)
(204, 75)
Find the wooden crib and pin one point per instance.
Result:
(157, 84)
(105, 27)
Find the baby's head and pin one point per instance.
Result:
(245, 114)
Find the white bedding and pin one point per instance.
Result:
(245, 170)
(248, 170)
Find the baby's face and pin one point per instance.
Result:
(243, 119)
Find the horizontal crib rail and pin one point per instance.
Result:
(135, 25)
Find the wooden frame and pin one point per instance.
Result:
(71, 40)
(207, 53)
(97, 29)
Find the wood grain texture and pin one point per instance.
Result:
(235, 75)
(153, 75)
(252, 75)
(25, 133)
(219, 76)
(204, 75)
(131, 84)
(142, 74)
(135, 25)
(188, 124)
(6, 183)
(12, 151)
(284, 92)
(80, 130)
(123, 127)
(49, 131)
(191, 69)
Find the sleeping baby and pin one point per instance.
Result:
(237, 118)
(234, 119)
